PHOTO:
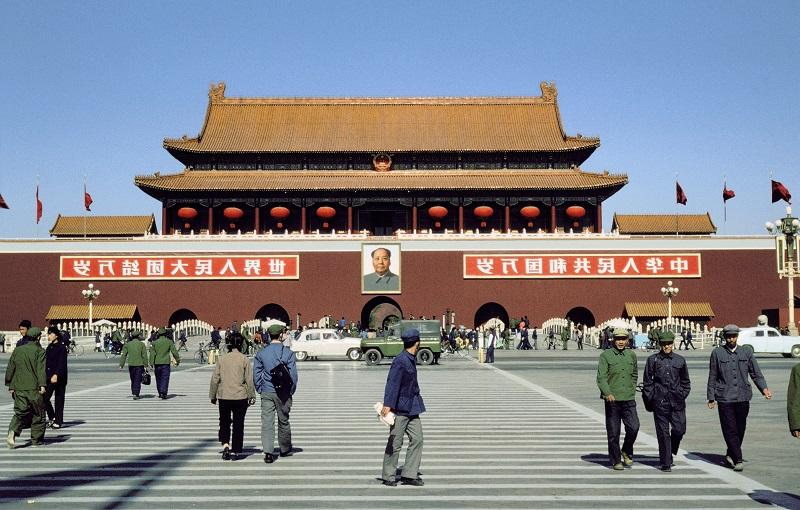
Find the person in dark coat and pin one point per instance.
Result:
(665, 389)
(729, 368)
(56, 374)
(24, 326)
(793, 401)
(402, 397)
(25, 378)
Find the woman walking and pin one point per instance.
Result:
(233, 390)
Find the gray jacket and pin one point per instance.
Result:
(232, 378)
(727, 375)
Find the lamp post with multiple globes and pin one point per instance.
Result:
(91, 294)
(786, 251)
(669, 292)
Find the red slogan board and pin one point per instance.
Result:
(181, 267)
(580, 265)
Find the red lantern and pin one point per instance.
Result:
(483, 211)
(279, 212)
(437, 212)
(576, 211)
(232, 213)
(530, 211)
(325, 212)
(187, 213)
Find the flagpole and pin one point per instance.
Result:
(37, 206)
(84, 209)
(677, 230)
(724, 205)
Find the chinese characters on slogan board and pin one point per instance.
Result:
(188, 267)
(571, 265)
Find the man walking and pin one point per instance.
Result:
(161, 353)
(617, 374)
(793, 401)
(56, 376)
(275, 401)
(402, 397)
(665, 389)
(135, 352)
(728, 386)
(25, 378)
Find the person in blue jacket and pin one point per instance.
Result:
(402, 397)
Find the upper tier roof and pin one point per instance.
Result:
(647, 224)
(381, 125)
(354, 180)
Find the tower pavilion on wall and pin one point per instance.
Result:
(381, 165)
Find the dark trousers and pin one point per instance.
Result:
(232, 412)
(490, 355)
(733, 421)
(56, 414)
(136, 379)
(162, 378)
(669, 441)
(625, 412)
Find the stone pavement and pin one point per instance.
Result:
(493, 439)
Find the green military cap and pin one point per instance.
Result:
(34, 333)
(620, 333)
(161, 331)
(136, 334)
(275, 329)
(666, 337)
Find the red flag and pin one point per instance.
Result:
(3, 204)
(38, 205)
(87, 199)
(727, 194)
(680, 196)
(779, 192)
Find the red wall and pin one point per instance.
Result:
(737, 283)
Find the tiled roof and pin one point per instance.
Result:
(294, 125)
(81, 312)
(301, 180)
(659, 309)
(664, 223)
(74, 226)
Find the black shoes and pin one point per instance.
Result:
(666, 469)
(416, 482)
(136, 397)
(287, 453)
(269, 458)
(162, 396)
(389, 483)
(226, 453)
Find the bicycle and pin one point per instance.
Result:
(75, 349)
(201, 355)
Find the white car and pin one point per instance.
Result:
(769, 340)
(313, 343)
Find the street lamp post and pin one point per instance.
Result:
(91, 294)
(669, 291)
(786, 251)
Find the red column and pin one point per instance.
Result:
(508, 219)
(598, 222)
(164, 220)
(258, 220)
(210, 220)
(460, 218)
(303, 220)
(349, 219)
(552, 218)
(414, 218)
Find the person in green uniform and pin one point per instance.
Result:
(136, 353)
(565, 334)
(26, 380)
(617, 374)
(161, 353)
(793, 401)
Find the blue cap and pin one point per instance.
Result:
(410, 334)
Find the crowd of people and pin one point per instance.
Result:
(35, 375)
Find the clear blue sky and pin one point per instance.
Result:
(704, 89)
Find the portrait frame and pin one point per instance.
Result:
(368, 270)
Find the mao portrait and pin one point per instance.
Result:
(380, 269)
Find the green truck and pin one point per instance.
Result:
(389, 344)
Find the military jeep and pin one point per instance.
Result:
(389, 344)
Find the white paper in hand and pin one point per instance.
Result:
(387, 420)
